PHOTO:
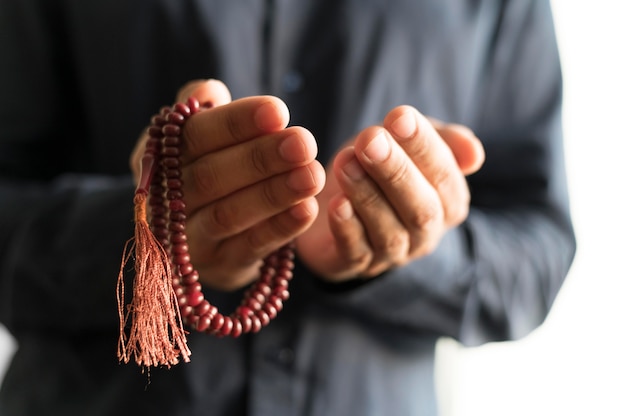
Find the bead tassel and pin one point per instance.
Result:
(166, 292)
(157, 336)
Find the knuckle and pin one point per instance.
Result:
(369, 200)
(398, 175)
(360, 260)
(220, 221)
(456, 214)
(205, 179)
(234, 126)
(426, 217)
(192, 134)
(270, 195)
(256, 242)
(439, 175)
(393, 246)
(425, 248)
(258, 161)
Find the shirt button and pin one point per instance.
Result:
(293, 81)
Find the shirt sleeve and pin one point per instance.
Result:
(56, 272)
(496, 276)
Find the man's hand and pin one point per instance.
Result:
(391, 196)
(249, 182)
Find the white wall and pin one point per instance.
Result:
(7, 347)
(576, 363)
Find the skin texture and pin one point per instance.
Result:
(389, 196)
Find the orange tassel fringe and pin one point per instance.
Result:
(157, 336)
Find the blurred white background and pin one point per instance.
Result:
(575, 364)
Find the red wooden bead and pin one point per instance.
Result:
(244, 311)
(281, 292)
(193, 287)
(179, 216)
(158, 120)
(253, 304)
(185, 269)
(178, 238)
(217, 322)
(246, 324)
(171, 130)
(190, 278)
(193, 105)
(192, 320)
(182, 109)
(227, 327)
(265, 299)
(212, 311)
(174, 194)
(170, 151)
(175, 118)
(181, 259)
(194, 298)
(170, 162)
(174, 183)
(256, 324)
(177, 205)
(177, 227)
(264, 290)
(263, 317)
(185, 310)
(237, 328)
(258, 296)
(276, 302)
(180, 248)
(155, 131)
(203, 308)
(204, 322)
(179, 291)
(270, 310)
(172, 173)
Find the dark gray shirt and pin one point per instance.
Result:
(80, 79)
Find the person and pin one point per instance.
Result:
(412, 150)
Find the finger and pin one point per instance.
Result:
(204, 91)
(207, 91)
(353, 253)
(412, 197)
(249, 206)
(210, 177)
(245, 249)
(434, 159)
(233, 123)
(135, 157)
(385, 232)
(466, 147)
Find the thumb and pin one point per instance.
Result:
(205, 91)
(466, 147)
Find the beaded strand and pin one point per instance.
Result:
(263, 300)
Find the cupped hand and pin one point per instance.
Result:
(249, 182)
(390, 196)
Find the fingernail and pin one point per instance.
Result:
(300, 212)
(344, 211)
(265, 117)
(353, 170)
(301, 179)
(291, 149)
(404, 126)
(378, 149)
